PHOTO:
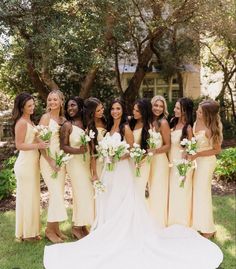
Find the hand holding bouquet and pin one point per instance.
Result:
(190, 145)
(183, 167)
(84, 139)
(137, 154)
(61, 158)
(45, 134)
(111, 149)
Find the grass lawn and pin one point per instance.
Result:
(14, 255)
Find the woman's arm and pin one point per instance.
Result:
(65, 132)
(165, 133)
(129, 136)
(205, 153)
(20, 133)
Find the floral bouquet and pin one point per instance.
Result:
(153, 141)
(61, 158)
(84, 139)
(183, 167)
(137, 154)
(190, 145)
(99, 187)
(111, 149)
(45, 134)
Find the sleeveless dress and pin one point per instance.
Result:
(82, 189)
(202, 200)
(56, 209)
(28, 189)
(180, 199)
(158, 187)
(141, 182)
(126, 238)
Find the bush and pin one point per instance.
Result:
(7, 178)
(226, 165)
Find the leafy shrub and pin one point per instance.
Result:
(226, 165)
(7, 178)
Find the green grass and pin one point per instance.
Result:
(27, 255)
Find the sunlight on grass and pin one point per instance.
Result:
(30, 255)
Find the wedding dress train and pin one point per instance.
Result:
(123, 236)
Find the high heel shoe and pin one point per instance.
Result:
(52, 236)
(77, 232)
(209, 235)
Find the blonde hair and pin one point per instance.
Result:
(62, 99)
(163, 100)
(211, 117)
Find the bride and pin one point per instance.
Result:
(123, 235)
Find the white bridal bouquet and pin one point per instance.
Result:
(99, 187)
(110, 149)
(85, 138)
(137, 154)
(154, 139)
(61, 158)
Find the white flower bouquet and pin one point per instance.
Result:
(190, 145)
(154, 139)
(110, 149)
(99, 187)
(137, 154)
(45, 134)
(85, 138)
(61, 158)
(183, 167)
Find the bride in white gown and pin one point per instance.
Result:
(123, 235)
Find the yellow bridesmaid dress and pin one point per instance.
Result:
(99, 165)
(56, 208)
(202, 200)
(82, 189)
(141, 182)
(180, 199)
(28, 189)
(158, 187)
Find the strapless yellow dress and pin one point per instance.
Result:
(28, 189)
(56, 209)
(180, 199)
(158, 188)
(202, 200)
(82, 189)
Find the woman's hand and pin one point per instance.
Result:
(191, 157)
(83, 149)
(43, 144)
(53, 165)
(153, 151)
(125, 156)
(94, 177)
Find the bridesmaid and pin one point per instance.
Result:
(77, 169)
(56, 210)
(95, 121)
(28, 180)
(140, 125)
(208, 132)
(180, 199)
(159, 175)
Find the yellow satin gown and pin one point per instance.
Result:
(28, 189)
(99, 164)
(56, 209)
(202, 200)
(82, 188)
(158, 187)
(180, 199)
(141, 182)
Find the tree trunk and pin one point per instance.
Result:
(132, 91)
(34, 76)
(87, 84)
(232, 101)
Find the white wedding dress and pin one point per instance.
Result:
(124, 237)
